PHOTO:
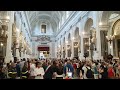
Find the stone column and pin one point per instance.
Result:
(111, 48)
(17, 47)
(66, 40)
(116, 49)
(52, 49)
(82, 48)
(25, 55)
(22, 49)
(55, 49)
(9, 39)
(101, 38)
(98, 45)
(89, 50)
(72, 43)
(22, 54)
(18, 26)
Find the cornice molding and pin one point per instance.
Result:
(77, 16)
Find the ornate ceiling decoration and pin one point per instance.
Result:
(43, 38)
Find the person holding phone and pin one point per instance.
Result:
(39, 71)
(68, 68)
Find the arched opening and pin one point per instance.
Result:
(109, 45)
(116, 41)
(76, 42)
(43, 51)
(87, 41)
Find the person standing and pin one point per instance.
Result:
(68, 68)
(32, 68)
(39, 71)
(18, 69)
(44, 65)
(95, 70)
(22, 63)
(103, 72)
(24, 73)
(111, 73)
(12, 72)
(84, 70)
(51, 71)
(60, 71)
(2, 75)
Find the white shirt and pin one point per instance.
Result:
(38, 71)
(32, 68)
(85, 71)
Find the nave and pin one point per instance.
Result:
(59, 44)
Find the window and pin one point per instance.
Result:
(43, 28)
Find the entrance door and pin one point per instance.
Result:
(43, 52)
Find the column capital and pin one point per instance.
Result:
(104, 27)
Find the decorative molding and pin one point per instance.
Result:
(104, 27)
(43, 38)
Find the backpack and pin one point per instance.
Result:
(89, 73)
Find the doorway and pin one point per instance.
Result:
(43, 52)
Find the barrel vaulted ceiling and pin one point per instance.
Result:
(53, 17)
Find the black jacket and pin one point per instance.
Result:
(49, 73)
(2, 75)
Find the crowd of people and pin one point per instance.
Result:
(60, 69)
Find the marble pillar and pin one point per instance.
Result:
(72, 43)
(102, 43)
(116, 48)
(82, 49)
(66, 43)
(9, 56)
(25, 54)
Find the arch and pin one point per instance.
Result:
(116, 28)
(69, 37)
(76, 33)
(105, 15)
(88, 25)
(116, 41)
(64, 40)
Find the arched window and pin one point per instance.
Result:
(43, 28)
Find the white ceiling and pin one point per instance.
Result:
(52, 16)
